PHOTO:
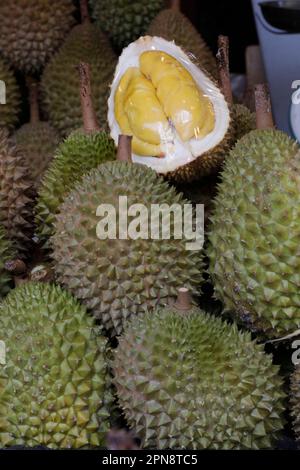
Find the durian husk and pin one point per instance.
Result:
(244, 121)
(7, 253)
(32, 30)
(16, 195)
(10, 110)
(60, 81)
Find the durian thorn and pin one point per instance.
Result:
(264, 116)
(184, 300)
(223, 67)
(33, 88)
(175, 5)
(15, 267)
(124, 148)
(90, 122)
(84, 11)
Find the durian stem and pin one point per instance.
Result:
(42, 273)
(184, 300)
(16, 267)
(175, 5)
(84, 11)
(34, 101)
(90, 122)
(124, 148)
(223, 66)
(264, 117)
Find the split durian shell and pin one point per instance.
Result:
(181, 160)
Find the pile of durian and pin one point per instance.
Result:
(130, 101)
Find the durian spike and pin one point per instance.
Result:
(90, 122)
(84, 11)
(16, 267)
(124, 153)
(175, 5)
(264, 117)
(223, 66)
(33, 100)
(184, 300)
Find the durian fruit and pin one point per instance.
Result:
(254, 236)
(7, 253)
(16, 196)
(82, 151)
(10, 110)
(182, 134)
(122, 276)
(295, 401)
(54, 387)
(32, 30)
(172, 25)
(123, 20)
(244, 121)
(60, 81)
(186, 379)
(37, 140)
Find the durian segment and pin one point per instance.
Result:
(182, 100)
(190, 380)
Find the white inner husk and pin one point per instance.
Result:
(178, 153)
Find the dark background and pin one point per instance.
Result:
(233, 18)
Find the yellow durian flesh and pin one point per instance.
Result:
(159, 91)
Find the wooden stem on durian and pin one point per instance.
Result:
(90, 122)
(223, 67)
(124, 153)
(175, 5)
(84, 11)
(34, 101)
(264, 117)
(184, 300)
(42, 273)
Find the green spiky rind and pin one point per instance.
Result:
(9, 112)
(123, 20)
(244, 121)
(54, 385)
(7, 253)
(119, 278)
(75, 157)
(295, 401)
(60, 81)
(174, 26)
(38, 142)
(192, 381)
(254, 262)
(32, 30)
(16, 197)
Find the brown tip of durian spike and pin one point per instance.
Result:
(184, 300)
(175, 5)
(124, 153)
(223, 67)
(33, 88)
(90, 122)
(264, 117)
(84, 11)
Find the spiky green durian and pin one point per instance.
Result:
(119, 278)
(10, 110)
(7, 253)
(60, 81)
(185, 379)
(54, 384)
(243, 121)
(16, 197)
(75, 157)
(38, 142)
(295, 401)
(32, 30)
(254, 237)
(174, 26)
(123, 20)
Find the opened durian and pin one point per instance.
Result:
(32, 30)
(179, 119)
(124, 20)
(186, 379)
(122, 276)
(174, 26)
(16, 196)
(37, 140)
(54, 385)
(60, 81)
(9, 110)
(254, 237)
(7, 253)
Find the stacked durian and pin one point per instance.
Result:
(117, 312)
